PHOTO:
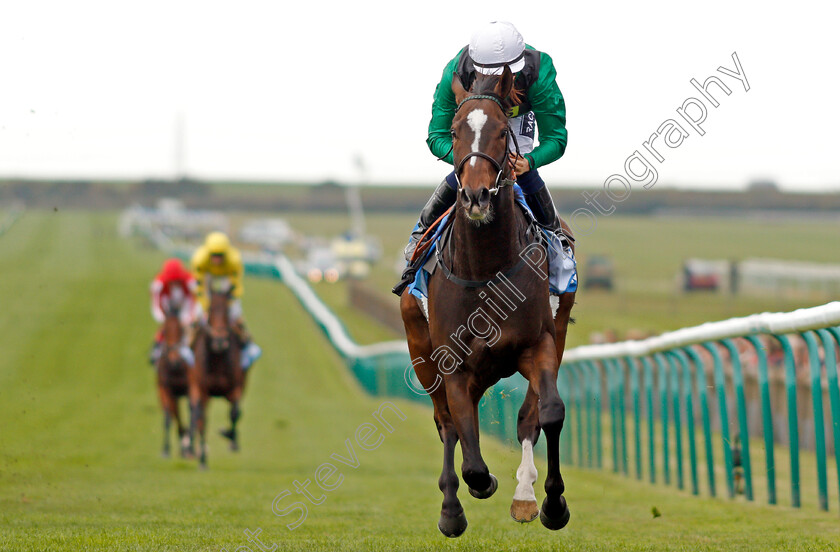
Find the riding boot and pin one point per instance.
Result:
(193, 333)
(441, 200)
(250, 350)
(241, 332)
(542, 206)
(189, 334)
(154, 352)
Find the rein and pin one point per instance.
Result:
(533, 229)
(502, 179)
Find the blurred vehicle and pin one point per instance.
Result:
(321, 264)
(349, 248)
(701, 275)
(271, 234)
(599, 272)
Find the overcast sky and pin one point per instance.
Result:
(298, 90)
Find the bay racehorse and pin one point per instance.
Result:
(219, 371)
(473, 337)
(173, 379)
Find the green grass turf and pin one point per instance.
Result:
(79, 442)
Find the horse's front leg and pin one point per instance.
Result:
(199, 415)
(199, 397)
(542, 375)
(235, 414)
(166, 401)
(183, 431)
(452, 522)
(235, 398)
(462, 397)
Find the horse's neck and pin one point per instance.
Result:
(218, 314)
(482, 250)
(172, 331)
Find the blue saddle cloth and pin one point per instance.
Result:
(562, 267)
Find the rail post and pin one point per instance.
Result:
(702, 393)
(793, 428)
(833, 390)
(741, 405)
(766, 418)
(819, 427)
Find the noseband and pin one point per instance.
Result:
(502, 178)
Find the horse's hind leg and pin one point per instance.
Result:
(524, 507)
(452, 522)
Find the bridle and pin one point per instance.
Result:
(503, 177)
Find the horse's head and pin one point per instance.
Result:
(480, 141)
(218, 321)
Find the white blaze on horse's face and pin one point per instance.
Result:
(476, 119)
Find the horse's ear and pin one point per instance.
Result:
(505, 84)
(458, 88)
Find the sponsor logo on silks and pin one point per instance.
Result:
(513, 112)
(528, 125)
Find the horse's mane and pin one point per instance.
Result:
(486, 84)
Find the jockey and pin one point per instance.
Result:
(494, 46)
(217, 258)
(174, 288)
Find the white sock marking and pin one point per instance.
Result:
(526, 474)
(554, 302)
(476, 120)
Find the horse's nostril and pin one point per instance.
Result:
(484, 197)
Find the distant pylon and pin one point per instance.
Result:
(179, 147)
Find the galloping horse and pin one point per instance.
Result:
(474, 336)
(218, 369)
(173, 379)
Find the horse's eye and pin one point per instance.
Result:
(452, 132)
(503, 134)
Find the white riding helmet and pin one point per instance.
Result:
(495, 45)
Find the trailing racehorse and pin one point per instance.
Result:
(173, 378)
(218, 370)
(473, 336)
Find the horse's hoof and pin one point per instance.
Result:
(453, 526)
(234, 446)
(488, 492)
(202, 466)
(164, 454)
(524, 511)
(555, 518)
